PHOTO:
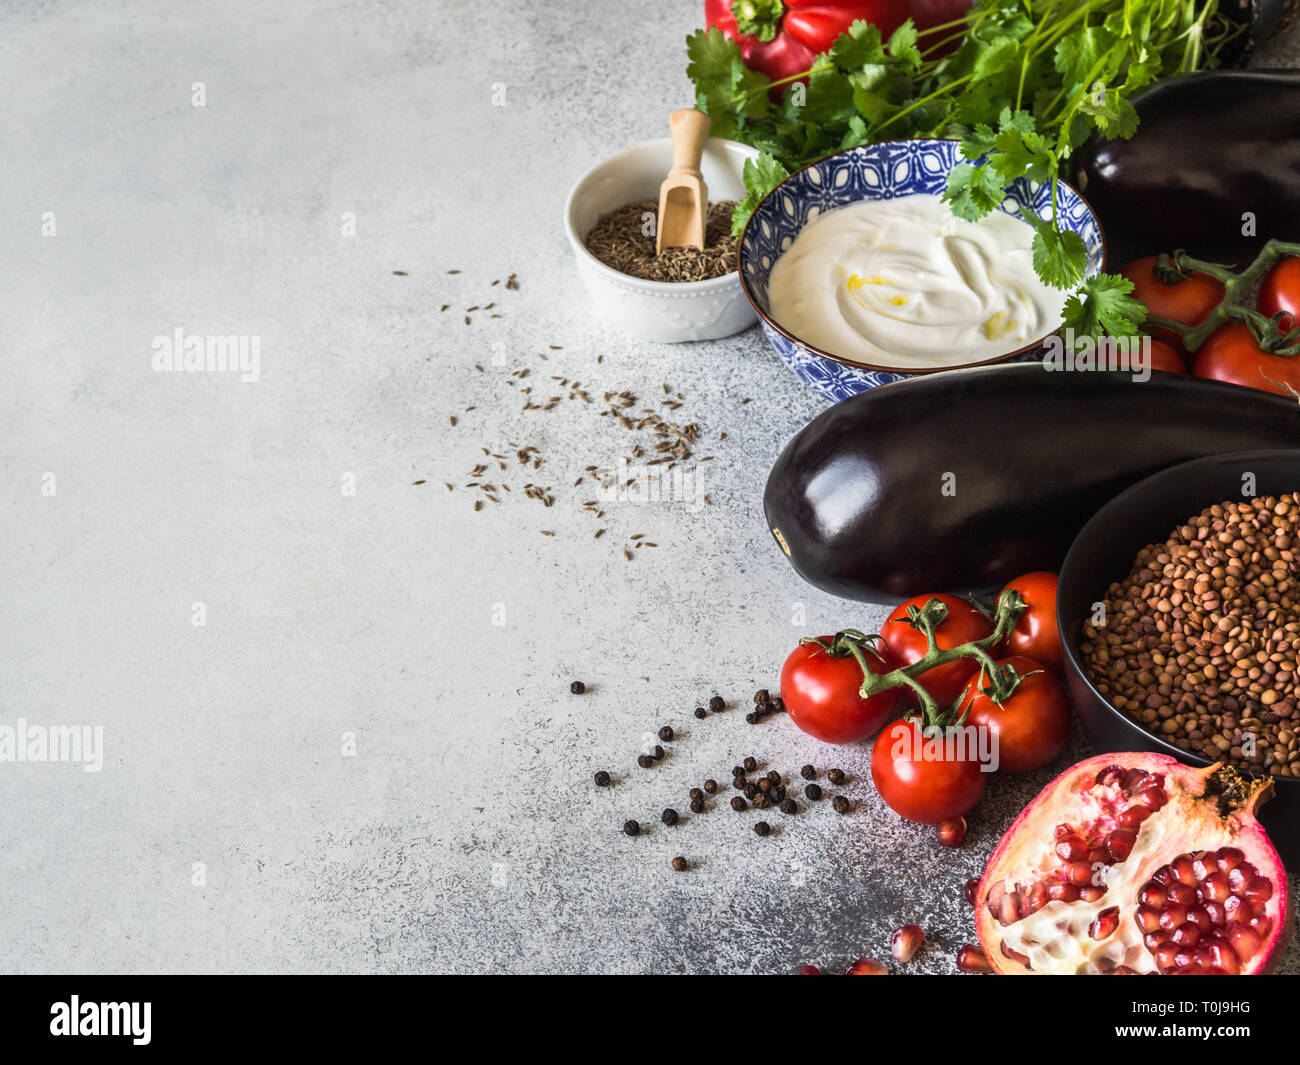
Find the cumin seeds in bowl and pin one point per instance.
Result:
(619, 241)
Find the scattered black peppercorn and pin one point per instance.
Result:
(750, 764)
(669, 816)
(577, 687)
(751, 791)
(777, 794)
(762, 828)
(808, 773)
(789, 806)
(716, 704)
(644, 761)
(737, 770)
(752, 719)
(710, 786)
(837, 776)
(697, 806)
(631, 828)
(761, 696)
(813, 792)
(740, 783)
(738, 804)
(841, 804)
(695, 793)
(777, 705)
(700, 712)
(765, 785)
(658, 752)
(666, 734)
(602, 779)
(761, 801)
(679, 864)
(774, 776)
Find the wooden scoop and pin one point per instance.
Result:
(683, 197)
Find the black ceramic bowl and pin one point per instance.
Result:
(1104, 551)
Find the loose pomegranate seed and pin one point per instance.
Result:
(972, 885)
(1105, 923)
(1070, 848)
(970, 959)
(906, 941)
(1120, 843)
(951, 833)
(808, 970)
(866, 967)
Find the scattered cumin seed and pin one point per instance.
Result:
(467, 319)
(399, 273)
(444, 307)
(478, 504)
(451, 421)
(547, 532)
(598, 534)
(453, 271)
(414, 483)
(744, 401)
(478, 367)
(627, 555)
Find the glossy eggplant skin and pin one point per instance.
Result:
(1209, 148)
(963, 480)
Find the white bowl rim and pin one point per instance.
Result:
(768, 322)
(641, 284)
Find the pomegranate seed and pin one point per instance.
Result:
(1132, 779)
(1120, 843)
(1222, 956)
(1261, 925)
(1199, 917)
(1214, 888)
(1153, 895)
(808, 970)
(1182, 894)
(1105, 923)
(1121, 970)
(1229, 858)
(1008, 909)
(1059, 892)
(1148, 920)
(970, 959)
(1205, 865)
(1164, 955)
(906, 941)
(1014, 955)
(1236, 908)
(1091, 893)
(1133, 816)
(1259, 892)
(1215, 911)
(1241, 877)
(1098, 856)
(1061, 831)
(1172, 916)
(1184, 958)
(1079, 873)
(866, 967)
(1150, 797)
(1035, 897)
(1243, 940)
(1186, 935)
(1070, 848)
(972, 885)
(951, 833)
(1112, 774)
(1181, 867)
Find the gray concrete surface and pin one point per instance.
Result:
(366, 757)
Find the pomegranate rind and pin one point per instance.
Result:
(1030, 839)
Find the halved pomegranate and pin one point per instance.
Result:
(1136, 863)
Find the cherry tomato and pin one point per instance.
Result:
(918, 787)
(1189, 300)
(1029, 729)
(1231, 354)
(963, 624)
(1166, 357)
(1280, 292)
(820, 691)
(1036, 634)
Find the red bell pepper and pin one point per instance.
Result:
(781, 38)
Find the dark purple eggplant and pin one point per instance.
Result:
(963, 480)
(1209, 148)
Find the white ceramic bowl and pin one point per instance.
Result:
(665, 311)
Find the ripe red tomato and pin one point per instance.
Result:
(928, 790)
(1036, 634)
(1280, 292)
(1231, 354)
(1189, 300)
(1029, 729)
(820, 691)
(1166, 357)
(963, 624)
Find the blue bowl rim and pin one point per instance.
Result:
(770, 323)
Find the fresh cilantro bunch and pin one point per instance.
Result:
(1026, 85)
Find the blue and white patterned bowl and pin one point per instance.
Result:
(883, 171)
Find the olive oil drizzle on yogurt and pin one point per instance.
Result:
(906, 284)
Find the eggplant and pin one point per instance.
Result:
(966, 479)
(1209, 148)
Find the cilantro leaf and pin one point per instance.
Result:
(1103, 305)
(973, 191)
(1060, 256)
(859, 46)
(903, 44)
(761, 175)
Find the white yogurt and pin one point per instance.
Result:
(906, 284)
